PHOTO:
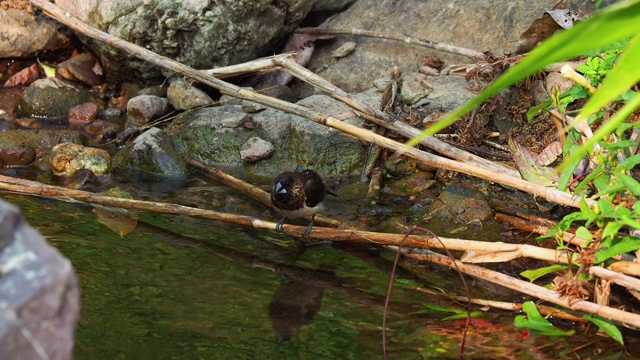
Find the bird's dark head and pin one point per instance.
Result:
(283, 187)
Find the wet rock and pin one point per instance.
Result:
(461, 203)
(41, 141)
(7, 125)
(17, 155)
(183, 96)
(256, 149)
(83, 113)
(82, 179)
(81, 68)
(51, 98)
(24, 34)
(144, 108)
(412, 185)
(67, 158)
(152, 152)
(29, 123)
(39, 293)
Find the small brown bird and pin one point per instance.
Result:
(298, 194)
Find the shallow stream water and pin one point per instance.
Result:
(184, 288)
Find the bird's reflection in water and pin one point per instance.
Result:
(294, 304)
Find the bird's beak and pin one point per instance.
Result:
(280, 189)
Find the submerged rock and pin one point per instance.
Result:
(41, 141)
(67, 158)
(461, 203)
(39, 293)
(52, 98)
(152, 153)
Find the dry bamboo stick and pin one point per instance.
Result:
(23, 186)
(235, 91)
(383, 119)
(248, 189)
(628, 319)
(247, 67)
(629, 282)
(401, 38)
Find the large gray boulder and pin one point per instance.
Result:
(482, 25)
(39, 295)
(200, 33)
(23, 34)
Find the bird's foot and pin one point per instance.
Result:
(280, 224)
(308, 230)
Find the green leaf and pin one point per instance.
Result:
(532, 275)
(48, 70)
(584, 233)
(607, 326)
(457, 313)
(535, 321)
(585, 209)
(526, 163)
(630, 222)
(617, 247)
(622, 144)
(611, 229)
(606, 207)
(629, 163)
(632, 184)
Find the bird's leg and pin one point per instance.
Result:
(280, 224)
(309, 227)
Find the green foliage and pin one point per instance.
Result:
(532, 275)
(609, 208)
(607, 326)
(596, 67)
(535, 321)
(457, 313)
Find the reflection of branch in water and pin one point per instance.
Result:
(318, 278)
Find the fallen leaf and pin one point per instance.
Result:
(529, 169)
(24, 77)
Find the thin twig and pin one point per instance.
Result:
(400, 38)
